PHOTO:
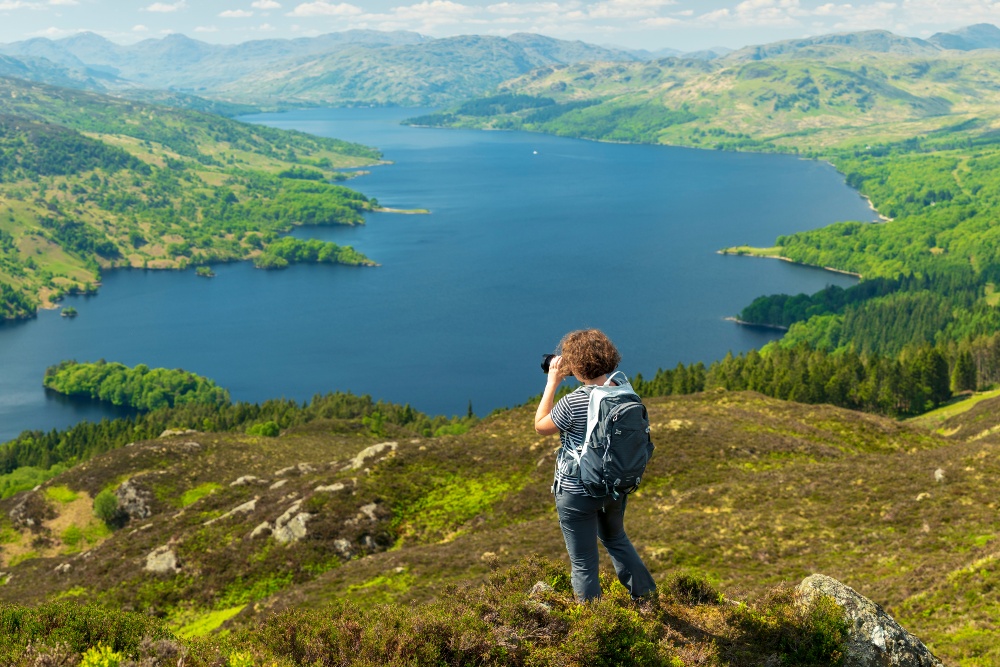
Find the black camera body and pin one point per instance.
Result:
(546, 360)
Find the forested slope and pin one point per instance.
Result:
(89, 182)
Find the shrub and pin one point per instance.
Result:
(267, 429)
(777, 624)
(107, 509)
(689, 588)
(101, 656)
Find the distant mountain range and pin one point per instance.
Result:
(365, 67)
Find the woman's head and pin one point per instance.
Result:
(588, 354)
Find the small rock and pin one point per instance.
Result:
(343, 547)
(162, 560)
(245, 508)
(262, 529)
(939, 475)
(246, 480)
(174, 431)
(305, 468)
(280, 483)
(332, 488)
(64, 568)
(369, 452)
(293, 530)
(487, 556)
(874, 638)
(923, 496)
(285, 471)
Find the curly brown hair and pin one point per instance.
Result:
(588, 353)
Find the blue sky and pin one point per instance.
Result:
(652, 24)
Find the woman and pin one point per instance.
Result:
(589, 356)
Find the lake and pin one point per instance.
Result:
(528, 236)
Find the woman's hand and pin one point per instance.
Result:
(556, 372)
(543, 421)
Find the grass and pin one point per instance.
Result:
(61, 494)
(191, 496)
(933, 419)
(200, 625)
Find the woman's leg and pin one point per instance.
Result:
(578, 520)
(629, 567)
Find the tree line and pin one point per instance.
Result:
(917, 380)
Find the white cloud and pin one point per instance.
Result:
(661, 22)
(165, 7)
(757, 13)
(623, 9)
(522, 8)
(63, 2)
(140, 28)
(206, 28)
(235, 14)
(265, 27)
(6, 5)
(266, 4)
(951, 13)
(432, 10)
(323, 8)
(55, 33)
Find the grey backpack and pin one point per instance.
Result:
(617, 446)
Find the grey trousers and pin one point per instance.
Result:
(584, 520)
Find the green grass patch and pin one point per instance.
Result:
(26, 477)
(750, 251)
(61, 494)
(72, 537)
(383, 588)
(8, 535)
(20, 558)
(192, 496)
(205, 623)
(241, 592)
(442, 511)
(72, 593)
(935, 418)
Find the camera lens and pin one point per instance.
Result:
(546, 360)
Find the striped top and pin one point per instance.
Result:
(570, 416)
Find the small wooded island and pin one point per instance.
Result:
(141, 387)
(68, 312)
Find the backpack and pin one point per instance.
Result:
(617, 444)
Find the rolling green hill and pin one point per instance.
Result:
(89, 182)
(216, 527)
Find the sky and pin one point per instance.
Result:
(685, 25)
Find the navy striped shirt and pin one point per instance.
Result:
(570, 416)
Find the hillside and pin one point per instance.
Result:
(747, 490)
(89, 182)
(351, 67)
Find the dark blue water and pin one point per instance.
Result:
(529, 236)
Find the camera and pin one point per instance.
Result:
(546, 360)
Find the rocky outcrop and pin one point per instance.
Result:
(31, 512)
(289, 527)
(368, 453)
(245, 508)
(162, 560)
(133, 500)
(875, 639)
